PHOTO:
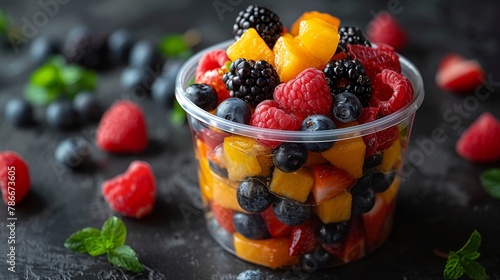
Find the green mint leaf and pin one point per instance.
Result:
(174, 45)
(475, 271)
(490, 180)
(40, 95)
(95, 246)
(115, 231)
(4, 23)
(470, 256)
(76, 241)
(177, 115)
(453, 268)
(472, 244)
(125, 257)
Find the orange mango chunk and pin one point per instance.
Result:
(319, 38)
(348, 155)
(335, 21)
(251, 47)
(293, 185)
(337, 209)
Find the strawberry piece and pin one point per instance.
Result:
(374, 60)
(374, 221)
(275, 227)
(369, 114)
(304, 238)
(386, 137)
(132, 193)
(459, 75)
(385, 29)
(391, 92)
(223, 216)
(122, 129)
(14, 177)
(214, 78)
(329, 181)
(210, 61)
(479, 142)
(352, 247)
(307, 94)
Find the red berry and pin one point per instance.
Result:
(391, 92)
(374, 60)
(385, 29)
(275, 227)
(223, 216)
(369, 114)
(304, 238)
(211, 60)
(132, 193)
(14, 177)
(386, 137)
(459, 75)
(479, 142)
(122, 129)
(214, 78)
(307, 94)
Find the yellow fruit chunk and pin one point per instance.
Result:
(205, 179)
(335, 21)
(293, 185)
(201, 149)
(337, 209)
(391, 156)
(319, 38)
(291, 58)
(348, 155)
(271, 252)
(391, 193)
(315, 159)
(251, 47)
(243, 157)
(224, 193)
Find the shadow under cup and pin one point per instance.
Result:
(337, 208)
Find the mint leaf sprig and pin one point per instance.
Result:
(490, 180)
(110, 240)
(464, 260)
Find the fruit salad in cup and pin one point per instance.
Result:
(299, 134)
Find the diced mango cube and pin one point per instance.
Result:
(293, 185)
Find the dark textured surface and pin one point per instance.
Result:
(440, 201)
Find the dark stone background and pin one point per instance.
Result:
(440, 203)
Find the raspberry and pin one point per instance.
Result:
(369, 114)
(374, 60)
(214, 78)
(122, 129)
(132, 193)
(479, 142)
(14, 177)
(211, 60)
(307, 94)
(391, 92)
(386, 137)
(385, 29)
(223, 216)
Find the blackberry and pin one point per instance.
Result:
(352, 35)
(88, 50)
(251, 81)
(265, 21)
(348, 75)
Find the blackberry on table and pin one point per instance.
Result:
(251, 81)
(87, 50)
(348, 75)
(265, 21)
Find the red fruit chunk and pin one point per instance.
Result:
(304, 238)
(479, 142)
(459, 75)
(132, 193)
(385, 29)
(223, 216)
(14, 177)
(369, 114)
(211, 138)
(329, 181)
(375, 219)
(386, 137)
(307, 94)
(374, 60)
(391, 92)
(214, 78)
(211, 60)
(275, 227)
(122, 129)
(352, 247)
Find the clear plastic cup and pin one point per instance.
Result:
(337, 208)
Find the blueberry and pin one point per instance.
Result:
(234, 109)
(333, 232)
(251, 275)
(253, 195)
(382, 181)
(61, 115)
(372, 162)
(362, 184)
(346, 107)
(78, 32)
(137, 81)
(19, 112)
(86, 105)
(163, 91)
(120, 43)
(318, 123)
(251, 226)
(144, 55)
(203, 96)
(291, 213)
(73, 152)
(41, 49)
(289, 157)
(221, 171)
(319, 258)
(363, 202)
